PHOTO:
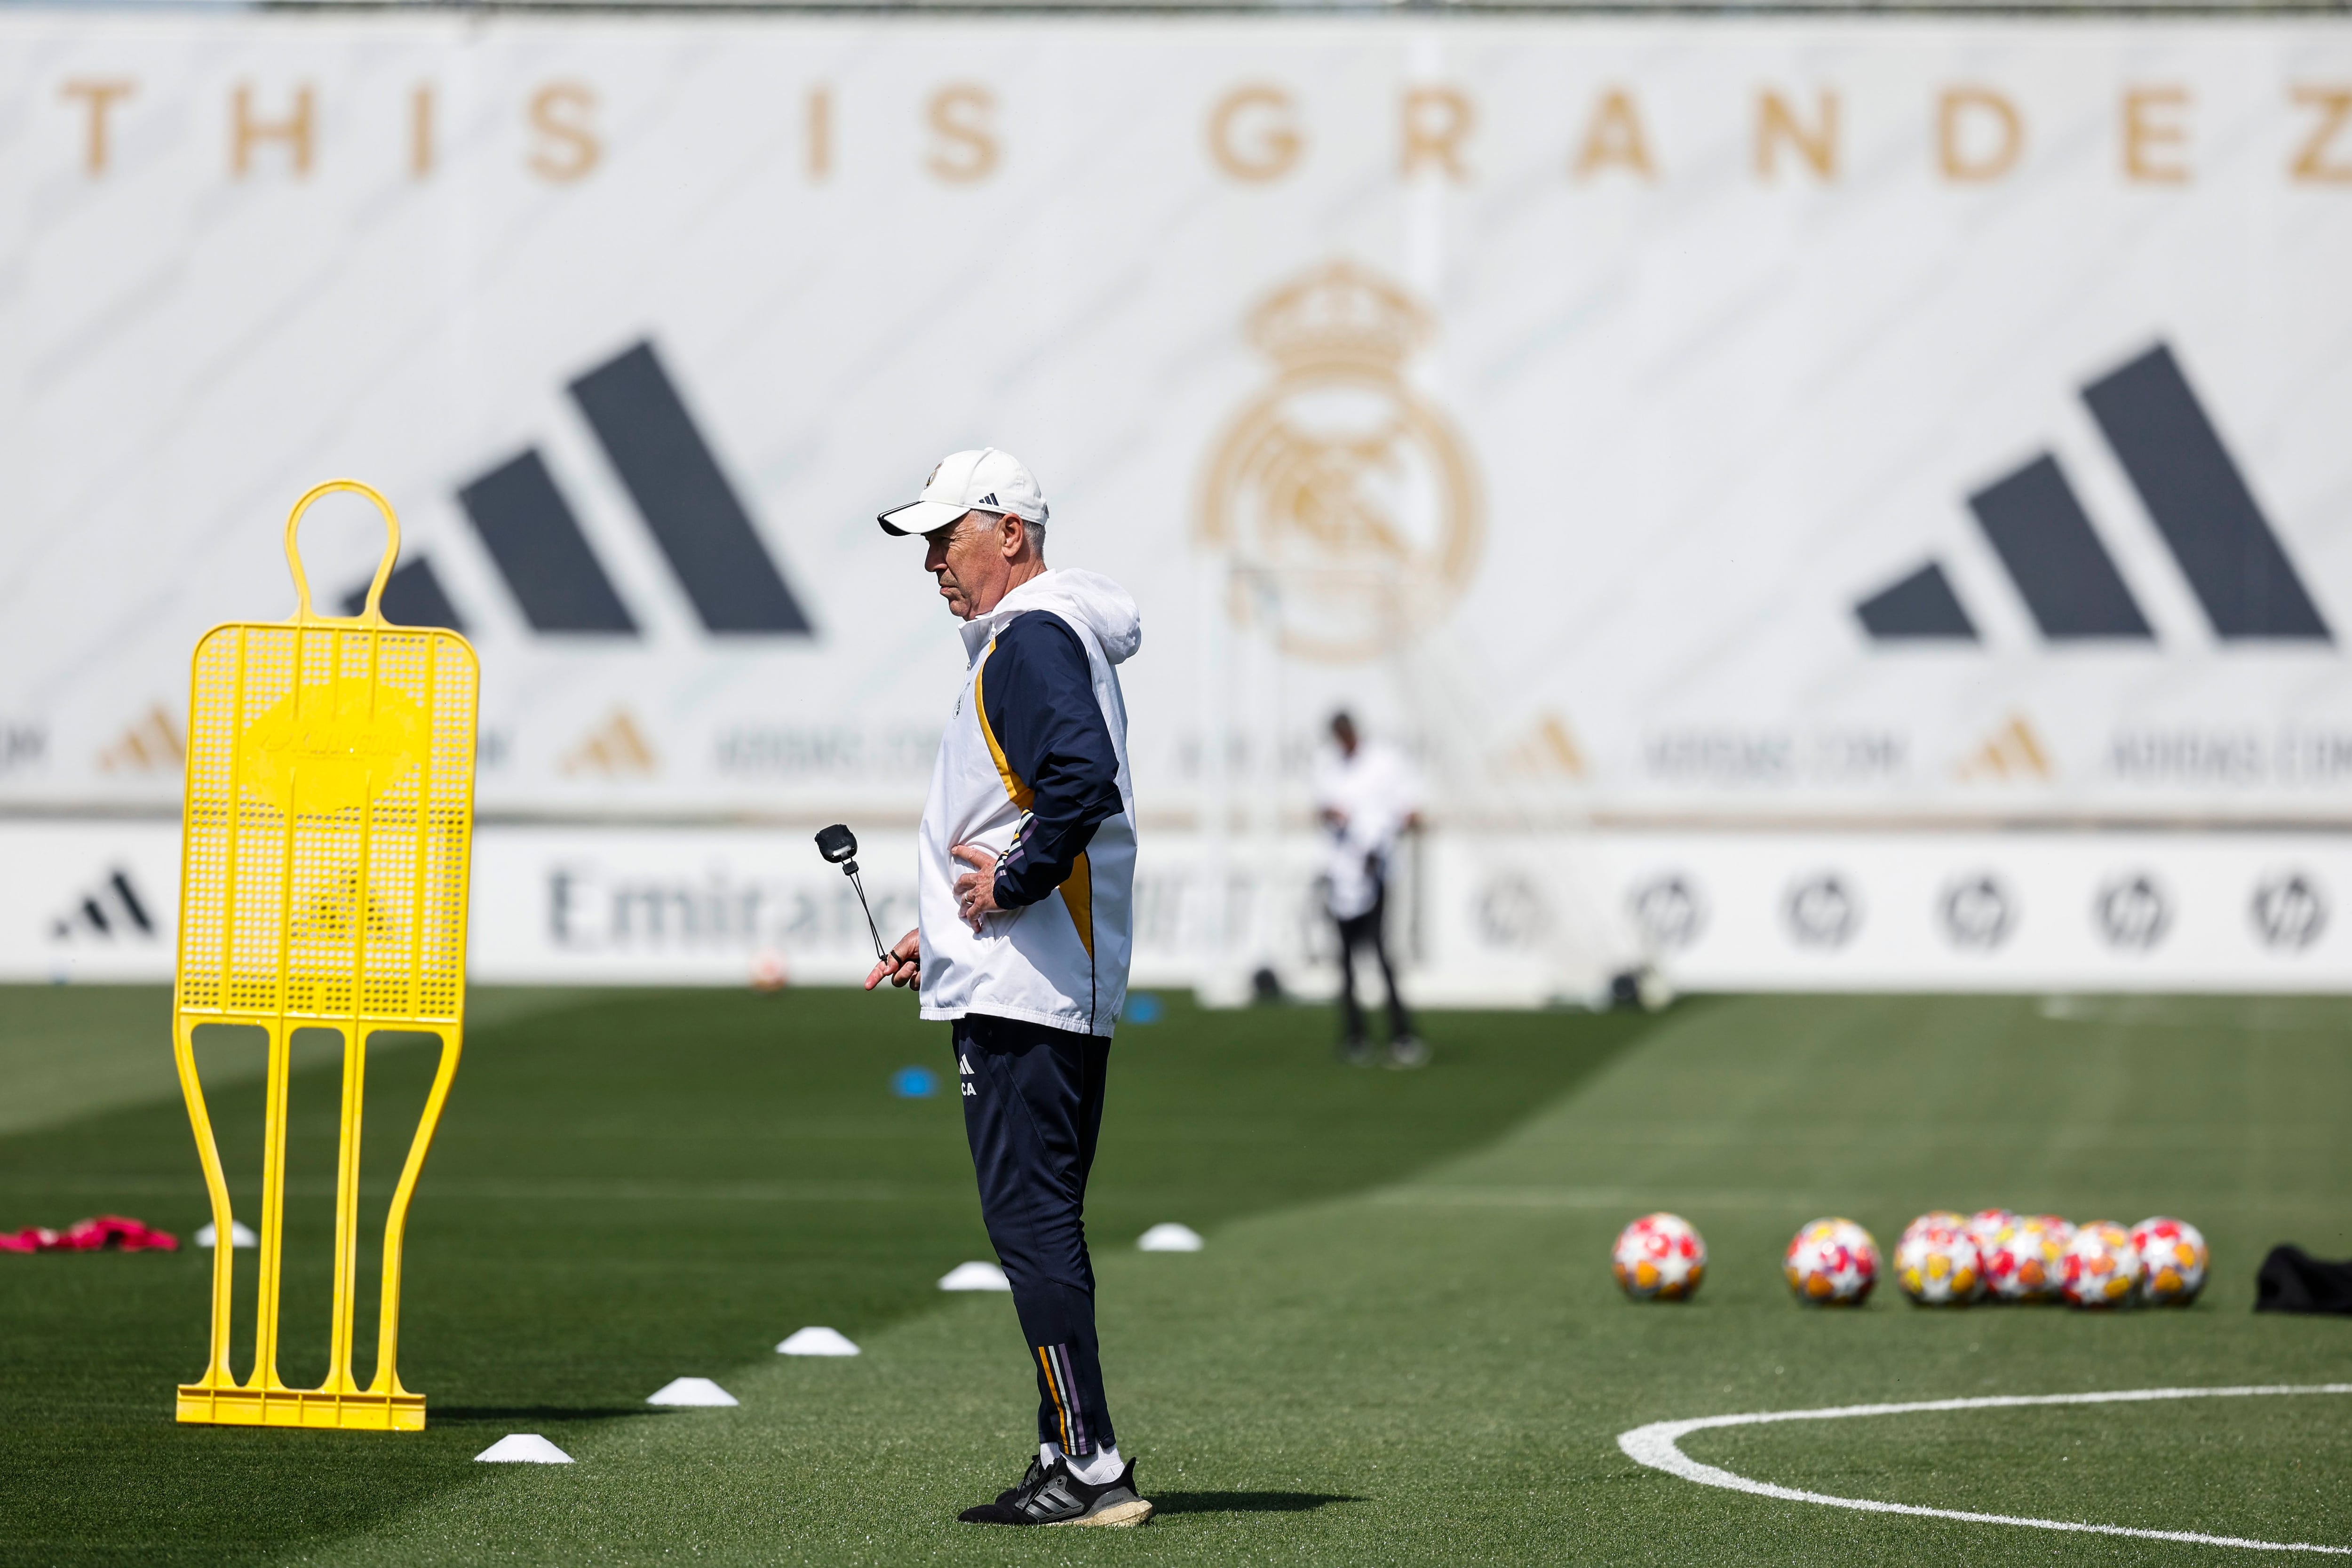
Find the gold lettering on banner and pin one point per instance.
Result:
(2312, 163)
(1437, 119)
(1274, 152)
(420, 133)
(1256, 132)
(1614, 139)
(1965, 160)
(820, 132)
(246, 132)
(568, 149)
(2145, 136)
(1777, 123)
(960, 113)
(98, 97)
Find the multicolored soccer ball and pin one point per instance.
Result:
(1944, 1217)
(1936, 1262)
(1660, 1257)
(2101, 1268)
(1985, 1223)
(2172, 1259)
(1831, 1263)
(2025, 1256)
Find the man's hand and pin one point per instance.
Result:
(903, 967)
(976, 889)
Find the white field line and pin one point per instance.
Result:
(1657, 1445)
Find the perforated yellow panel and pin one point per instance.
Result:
(327, 835)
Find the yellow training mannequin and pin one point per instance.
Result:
(327, 835)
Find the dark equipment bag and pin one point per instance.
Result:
(2293, 1280)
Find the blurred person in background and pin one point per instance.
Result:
(1368, 798)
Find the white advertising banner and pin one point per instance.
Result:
(1716, 423)
(1477, 920)
(1788, 482)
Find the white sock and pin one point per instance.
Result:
(1095, 1468)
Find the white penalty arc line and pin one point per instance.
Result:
(1657, 1445)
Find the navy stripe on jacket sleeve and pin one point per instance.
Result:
(1040, 706)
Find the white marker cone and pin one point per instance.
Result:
(523, 1449)
(690, 1391)
(239, 1234)
(975, 1277)
(816, 1342)
(1170, 1237)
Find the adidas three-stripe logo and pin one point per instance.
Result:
(2206, 516)
(111, 909)
(535, 541)
(1055, 1497)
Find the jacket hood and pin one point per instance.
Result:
(1088, 599)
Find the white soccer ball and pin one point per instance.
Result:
(2101, 1266)
(1936, 1262)
(2172, 1260)
(1660, 1257)
(2025, 1257)
(1831, 1263)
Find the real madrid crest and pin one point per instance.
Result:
(1347, 504)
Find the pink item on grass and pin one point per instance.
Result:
(107, 1231)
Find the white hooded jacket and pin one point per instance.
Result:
(1062, 961)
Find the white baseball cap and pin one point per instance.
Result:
(984, 480)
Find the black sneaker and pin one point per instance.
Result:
(1052, 1495)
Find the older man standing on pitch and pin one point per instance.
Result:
(1026, 870)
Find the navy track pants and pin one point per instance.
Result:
(1033, 1104)
(1366, 929)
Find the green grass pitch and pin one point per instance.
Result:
(1402, 1344)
